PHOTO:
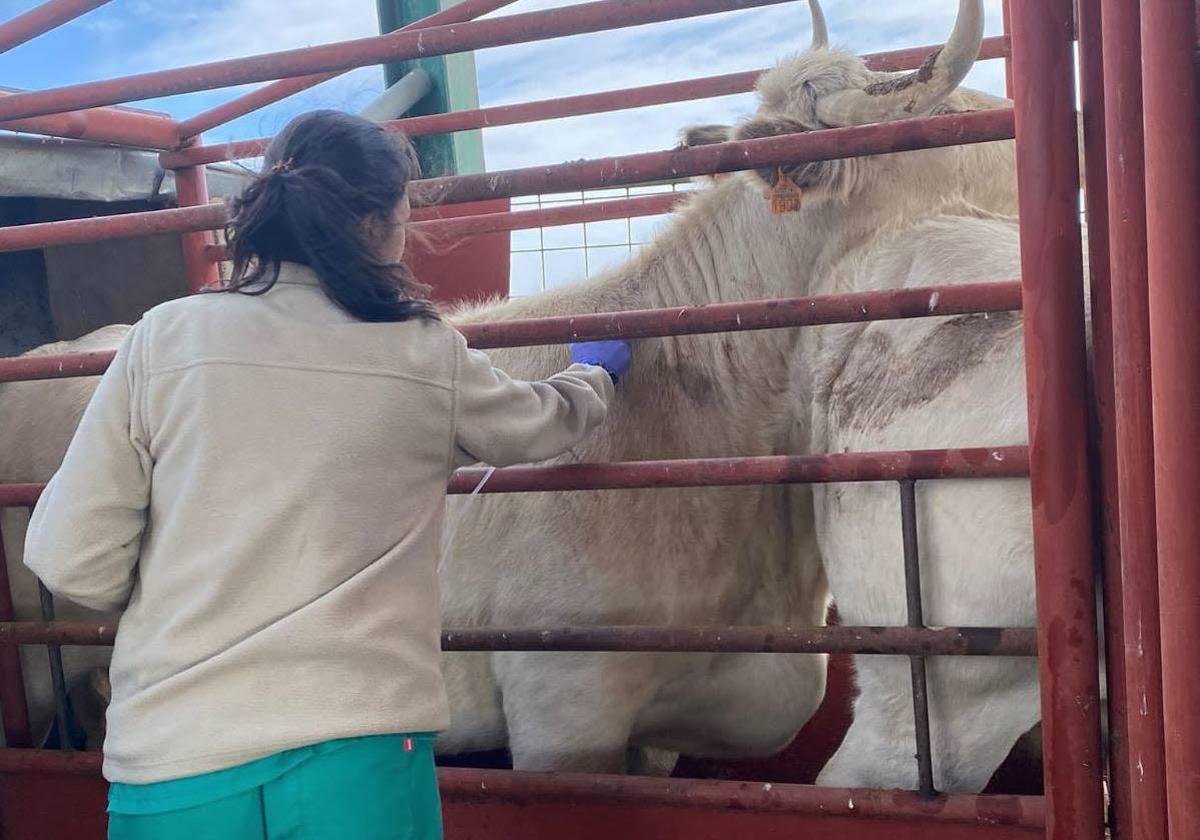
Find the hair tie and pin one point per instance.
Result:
(283, 166)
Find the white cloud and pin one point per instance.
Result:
(196, 34)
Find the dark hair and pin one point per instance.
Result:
(324, 178)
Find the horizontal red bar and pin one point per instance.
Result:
(214, 217)
(570, 106)
(29, 368)
(470, 785)
(465, 226)
(573, 106)
(123, 126)
(831, 144)
(460, 784)
(916, 464)
(397, 46)
(124, 226)
(929, 301)
(881, 641)
(50, 761)
(982, 462)
(889, 304)
(20, 495)
(42, 19)
(242, 105)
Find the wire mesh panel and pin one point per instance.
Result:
(551, 257)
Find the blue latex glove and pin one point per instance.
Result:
(613, 356)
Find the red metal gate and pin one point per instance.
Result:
(1144, 257)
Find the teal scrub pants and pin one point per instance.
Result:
(374, 788)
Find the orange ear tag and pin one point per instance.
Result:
(785, 196)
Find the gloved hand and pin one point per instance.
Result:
(613, 356)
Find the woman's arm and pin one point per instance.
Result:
(85, 533)
(502, 421)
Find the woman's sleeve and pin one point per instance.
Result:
(502, 421)
(85, 534)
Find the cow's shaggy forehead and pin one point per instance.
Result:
(790, 87)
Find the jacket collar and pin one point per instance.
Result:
(298, 275)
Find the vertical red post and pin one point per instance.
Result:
(1006, 14)
(1143, 753)
(1096, 209)
(13, 706)
(1172, 160)
(1055, 361)
(191, 189)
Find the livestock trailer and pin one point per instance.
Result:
(1111, 458)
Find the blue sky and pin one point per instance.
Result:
(134, 36)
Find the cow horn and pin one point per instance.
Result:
(820, 36)
(918, 92)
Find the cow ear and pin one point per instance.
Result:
(703, 135)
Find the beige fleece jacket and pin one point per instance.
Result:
(259, 483)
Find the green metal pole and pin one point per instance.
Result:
(454, 89)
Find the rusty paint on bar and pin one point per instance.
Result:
(345, 55)
(878, 641)
(930, 301)
(830, 144)
(1056, 380)
(567, 106)
(274, 92)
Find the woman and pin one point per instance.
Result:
(259, 483)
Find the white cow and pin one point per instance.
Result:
(911, 219)
(880, 223)
(732, 555)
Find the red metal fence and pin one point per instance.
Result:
(1146, 303)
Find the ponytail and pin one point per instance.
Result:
(325, 177)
